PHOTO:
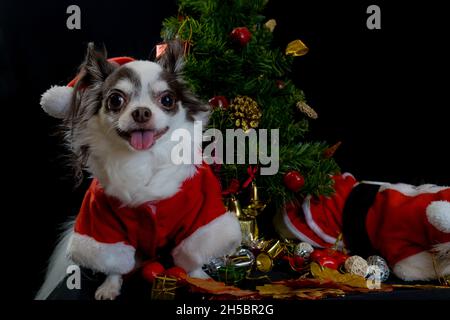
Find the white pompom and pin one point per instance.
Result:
(438, 214)
(56, 101)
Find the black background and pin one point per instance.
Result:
(383, 93)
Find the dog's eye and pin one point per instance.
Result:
(115, 102)
(167, 101)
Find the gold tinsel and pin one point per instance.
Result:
(245, 113)
(306, 109)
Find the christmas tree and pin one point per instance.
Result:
(231, 62)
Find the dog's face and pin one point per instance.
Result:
(133, 107)
(140, 103)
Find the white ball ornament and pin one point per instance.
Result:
(356, 265)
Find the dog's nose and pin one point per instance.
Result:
(141, 114)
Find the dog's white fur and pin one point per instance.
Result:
(136, 177)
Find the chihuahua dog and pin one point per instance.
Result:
(119, 115)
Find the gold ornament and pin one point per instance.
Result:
(249, 230)
(296, 48)
(271, 24)
(234, 206)
(245, 112)
(306, 109)
(264, 260)
(256, 206)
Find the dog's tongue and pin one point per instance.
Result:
(142, 140)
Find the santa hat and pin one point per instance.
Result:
(56, 100)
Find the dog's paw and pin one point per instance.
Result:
(110, 288)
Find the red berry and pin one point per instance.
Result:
(328, 262)
(241, 35)
(218, 102)
(341, 257)
(294, 181)
(297, 263)
(176, 272)
(316, 255)
(280, 84)
(151, 270)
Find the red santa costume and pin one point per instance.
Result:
(105, 229)
(394, 220)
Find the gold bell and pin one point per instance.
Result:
(235, 206)
(256, 206)
(264, 260)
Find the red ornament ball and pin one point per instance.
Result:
(280, 84)
(294, 181)
(328, 262)
(218, 102)
(176, 272)
(241, 35)
(151, 270)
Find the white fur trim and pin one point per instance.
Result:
(312, 224)
(410, 190)
(288, 230)
(56, 101)
(218, 238)
(347, 174)
(438, 214)
(115, 258)
(442, 254)
(416, 267)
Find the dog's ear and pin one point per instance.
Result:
(95, 67)
(172, 58)
(57, 100)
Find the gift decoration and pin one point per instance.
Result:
(164, 288)
(231, 275)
